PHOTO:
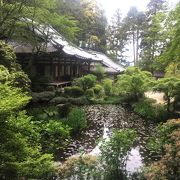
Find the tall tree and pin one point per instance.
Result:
(134, 22)
(153, 39)
(116, 37)
(20, 16)
(92, 22)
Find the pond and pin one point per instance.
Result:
(102, 120)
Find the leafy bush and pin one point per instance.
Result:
(77, 120)
(8, 59)
(114, 153)
(85, 82)
(78, 101)
(64, 109)
(107, 85)
(50, 88)
(148, 109)
(41, 79)
(166, 140)
(42, 96)
(74, 91)
(59, 100)
(98, 90)
(75, 101)
(170, 87)
(133, 83)
(89, 93)
(82, 167)
(54, 136)
(20, 151)
(99, 72)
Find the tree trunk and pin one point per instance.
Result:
(134, 49)
(137, 46)
(168, 104)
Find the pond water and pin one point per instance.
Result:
(102, 120)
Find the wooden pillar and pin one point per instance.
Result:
(59, 71)
(89, 67)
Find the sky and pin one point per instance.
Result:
(110, 6)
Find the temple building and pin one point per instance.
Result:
(60, 60)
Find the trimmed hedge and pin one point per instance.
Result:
(42, 96)
(89, 93)
(98, 90)
(73, 91)
(75, 101)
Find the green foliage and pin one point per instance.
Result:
(154, 37)
(54, 136)
(77, 120)
(133, 83)
(82, 167)
(74, 91)
(14, 21)
(173, 69)
(11, 98)
(114, 153)
(75, 101)
(148, 109)
(162, 134)
(20, 151)
(107, 85)
(99, 72)
(85, 82)
(98, 91)
(64, 109)
(166, 140)
(170, 87)
(16, 76)
(44, 96)
(89, 93)
(91, 21)
(7, 56)
(59, 100)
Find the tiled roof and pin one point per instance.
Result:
(56, 41)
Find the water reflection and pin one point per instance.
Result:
(134, 162)
(102, 120)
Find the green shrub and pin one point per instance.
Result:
(133, 83)
(82, 167)
(50, 88)
(107, 85)
(75, 101)
(148, 109)
(59, 100)
(89, 93)
(42, 96)
(64, 109)
(44, 113)
(98, 90)
(59, 92)
(54, 136)
(85, 82)
(77, 120)
(41, 79)
(99, 72)
(74, 91)
(166, 142)
(78, 101)
(114, 154)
